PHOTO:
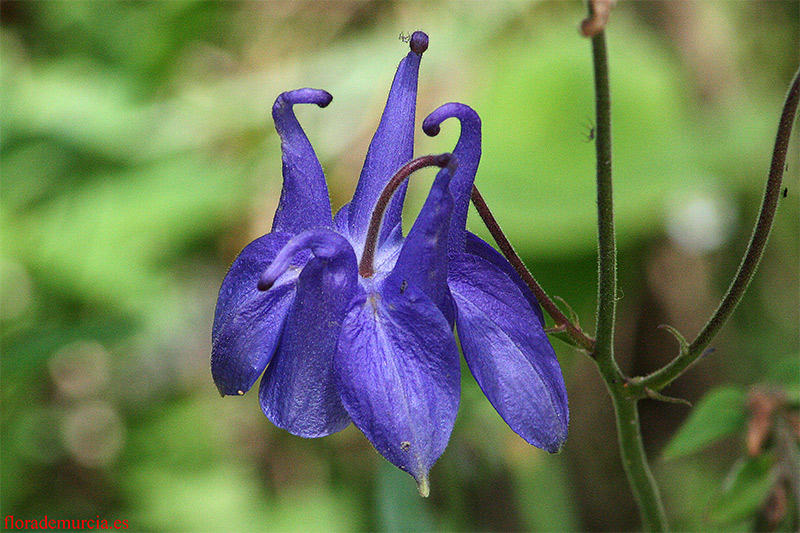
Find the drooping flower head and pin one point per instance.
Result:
(347, 320)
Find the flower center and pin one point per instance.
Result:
(366, 267)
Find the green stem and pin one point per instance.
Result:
(627, 416)
(606, 240)
(663, 377)
(634, 460)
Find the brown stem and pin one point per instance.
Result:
(747, 269)
(365, 267)
(579, 338)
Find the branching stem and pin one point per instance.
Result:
(663, 377)
(634, 459)
(625, 393)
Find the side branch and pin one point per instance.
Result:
(663, 377)
(576, 336)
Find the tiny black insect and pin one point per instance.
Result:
(785, 192)
(403, 286)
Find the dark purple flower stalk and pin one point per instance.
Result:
(373, 344)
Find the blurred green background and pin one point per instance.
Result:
(139, 157)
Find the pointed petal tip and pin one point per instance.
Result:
(419, 42)
(552, 441)
(230, 383)
(423, 485)
(556, 447)
(556, 443)
(222, 393)
(550, 437)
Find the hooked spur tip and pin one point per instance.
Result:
(288, 99)
(419, 42)
(431, 130)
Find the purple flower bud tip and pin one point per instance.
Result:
(419, 42)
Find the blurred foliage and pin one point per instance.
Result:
(760, 492)
(138, 157)
(720, 414)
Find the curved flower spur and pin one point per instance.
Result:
(349, 321)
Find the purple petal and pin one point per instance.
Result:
(468, 154)
(248, 322)
(477, 246)
(391, 147)
(304, 202)
(341, 224)
(422, 262)
(298, 392)
(508, 352)
(398, 371)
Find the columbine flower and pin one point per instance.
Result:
(347, 320)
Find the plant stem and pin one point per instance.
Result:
(606, 240)
(663, 377)
(365, 267)
(576, 337)
(634, 459)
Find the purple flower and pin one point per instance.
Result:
(349, 321)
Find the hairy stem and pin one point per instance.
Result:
(663, 377)
(634, 459)
(576, 337)
(635, 463)
(606, 239)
